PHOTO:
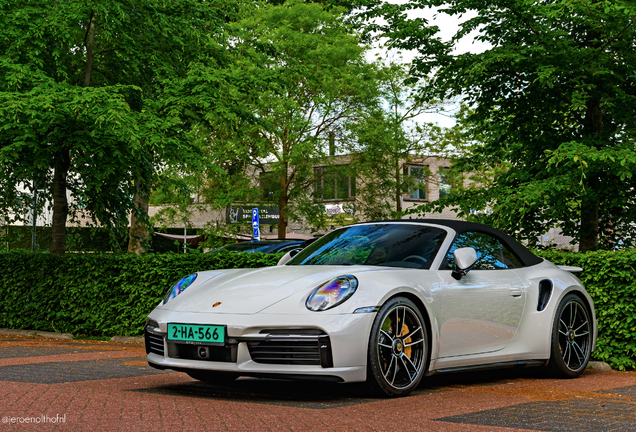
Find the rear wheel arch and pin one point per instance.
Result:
(582, 297)
(590, 310)
(571, 336)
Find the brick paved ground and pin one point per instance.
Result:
(108, 387)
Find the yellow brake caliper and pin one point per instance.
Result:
(407, 349)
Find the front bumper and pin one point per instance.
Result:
(312, 346)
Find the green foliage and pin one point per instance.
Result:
(91, 99)
(554, 94)
(307, 78)
(610, 278)
(391, 151)
(99, 294)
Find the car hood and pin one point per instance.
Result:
(249, 291)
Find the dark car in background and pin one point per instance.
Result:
(265, 246)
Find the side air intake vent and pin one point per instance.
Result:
(545, 292)
(154, 339)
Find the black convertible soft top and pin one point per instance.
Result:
(525, 256)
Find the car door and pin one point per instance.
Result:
(481, 312)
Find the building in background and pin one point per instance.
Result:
(336, 193)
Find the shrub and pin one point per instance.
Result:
(111, 294)
(98, 294)
(85, 239)
(610, 279)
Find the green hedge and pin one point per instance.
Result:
(85, 239)
(111, 294)
(610, 279)
(98, 294)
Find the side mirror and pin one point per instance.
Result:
(465, 259)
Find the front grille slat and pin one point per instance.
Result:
(296, 345)
(262, 358)
(303, 352)
(303, 362)
(283, 349)
(154, 343)
(296, 353)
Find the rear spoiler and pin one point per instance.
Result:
(570, 268)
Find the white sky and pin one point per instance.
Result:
(448, 27)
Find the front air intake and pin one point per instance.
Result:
(154, 340)
(292, 349)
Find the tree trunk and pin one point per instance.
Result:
(398, 190)
(138, 233)
(589, 226)
(60, 203)
(593, 131)
(590, 202)
(89, 52)
(282, 206)
(62, 162)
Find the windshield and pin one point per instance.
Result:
(381, 244)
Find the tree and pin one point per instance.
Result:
(554, 99)
(310, 77)
(86, 105)
(390, 140)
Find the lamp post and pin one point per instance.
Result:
(185, 235)
(34, 216)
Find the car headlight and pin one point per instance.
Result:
(332, 293)
(179, 287)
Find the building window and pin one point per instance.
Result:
(415, 181)
(270, 185)
(444, 184)
(334, 183)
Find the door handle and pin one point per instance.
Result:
(516, 293)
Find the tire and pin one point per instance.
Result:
(398, 349)
(213, 377)
(571, 344)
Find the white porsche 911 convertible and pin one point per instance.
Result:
(382, 302)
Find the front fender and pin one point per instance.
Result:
(374, 289)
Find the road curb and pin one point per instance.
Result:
(127, 339)
(46, 334)
(597, 365)
(54, 335)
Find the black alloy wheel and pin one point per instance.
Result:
(398, 349)
(571, 338)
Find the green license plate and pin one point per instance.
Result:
(196, 333)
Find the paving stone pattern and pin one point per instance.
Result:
(62, 372)
(95, 392)
(580, 415)
(21, 351)
(623, 391)
(278, 392)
